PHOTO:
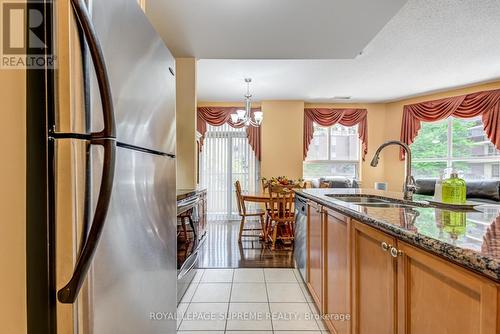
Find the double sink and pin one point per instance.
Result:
(377, 202)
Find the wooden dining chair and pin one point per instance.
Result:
(242, 210)
(265, 188)
(282, 216)
(265, 184)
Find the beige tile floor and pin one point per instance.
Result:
(240, 301)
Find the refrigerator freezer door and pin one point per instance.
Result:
(134, 269)
(141, 74)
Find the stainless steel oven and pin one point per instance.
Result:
(189, 239)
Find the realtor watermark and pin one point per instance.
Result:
(25, 42)
(248, 316)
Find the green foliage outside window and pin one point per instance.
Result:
(470, 151)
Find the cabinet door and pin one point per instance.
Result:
(439, 297)
(337, 285)
(374, 281)
(315, 253)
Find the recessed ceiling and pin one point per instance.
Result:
(269, 29)
(427, 46)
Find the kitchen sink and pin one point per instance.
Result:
(374, 202)
(359, 199)
(388, 205)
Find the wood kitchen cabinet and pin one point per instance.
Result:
(373, 281)
(435, 296)
(315, 253)
(389, 286)
(337, 272)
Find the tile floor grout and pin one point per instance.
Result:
(267, 295)
(229, 303)
(267, 279)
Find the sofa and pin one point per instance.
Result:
(484, 191)
(332, 182)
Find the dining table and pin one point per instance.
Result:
(263, 196)
(256, 197)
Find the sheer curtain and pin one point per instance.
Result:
(225, 158)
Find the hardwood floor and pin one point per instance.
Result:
(222, 250)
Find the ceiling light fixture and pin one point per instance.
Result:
(244, 117)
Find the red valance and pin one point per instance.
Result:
(217, 116)
(485, 103)
(329, 117)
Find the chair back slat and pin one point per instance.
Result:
(239, 198)
(265, 184)
(281, 204)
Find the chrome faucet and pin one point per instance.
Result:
(409, 186)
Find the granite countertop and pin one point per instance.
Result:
(185, 193)
(469, 238)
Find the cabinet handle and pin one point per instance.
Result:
(395, 252)
(385, 246)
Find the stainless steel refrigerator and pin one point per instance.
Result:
(112, 171)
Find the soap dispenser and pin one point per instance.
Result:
(438, 194)
(454, 189)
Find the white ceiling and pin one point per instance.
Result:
(428, 46)
(269, 29)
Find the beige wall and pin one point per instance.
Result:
(12, 202)
(281, 147)
(186, 122)
(282, 138)
(394, 168)
(282, 131)
(227, 104)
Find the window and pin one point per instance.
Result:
(334, 151)
(495, 171)
(458, 143)
(225, 158)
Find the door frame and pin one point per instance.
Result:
(40, 281)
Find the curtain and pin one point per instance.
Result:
(218, 116)
(485, 103)
(227, 157)
(491, 239)
(329, 117)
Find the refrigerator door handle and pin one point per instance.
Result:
(85, 22)
(69, 293)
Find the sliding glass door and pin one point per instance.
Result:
(225, 158)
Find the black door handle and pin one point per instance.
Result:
(105, 137)
(85, 22)
(69, 293)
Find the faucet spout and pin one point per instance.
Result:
(374, 161)
(409, 186)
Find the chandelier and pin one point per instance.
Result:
(244, 117)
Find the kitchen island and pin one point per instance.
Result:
(403, 267)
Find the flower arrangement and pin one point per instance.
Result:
(283, 181)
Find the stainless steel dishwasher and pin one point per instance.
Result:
(300, 247)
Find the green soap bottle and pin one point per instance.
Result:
(454, 190)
